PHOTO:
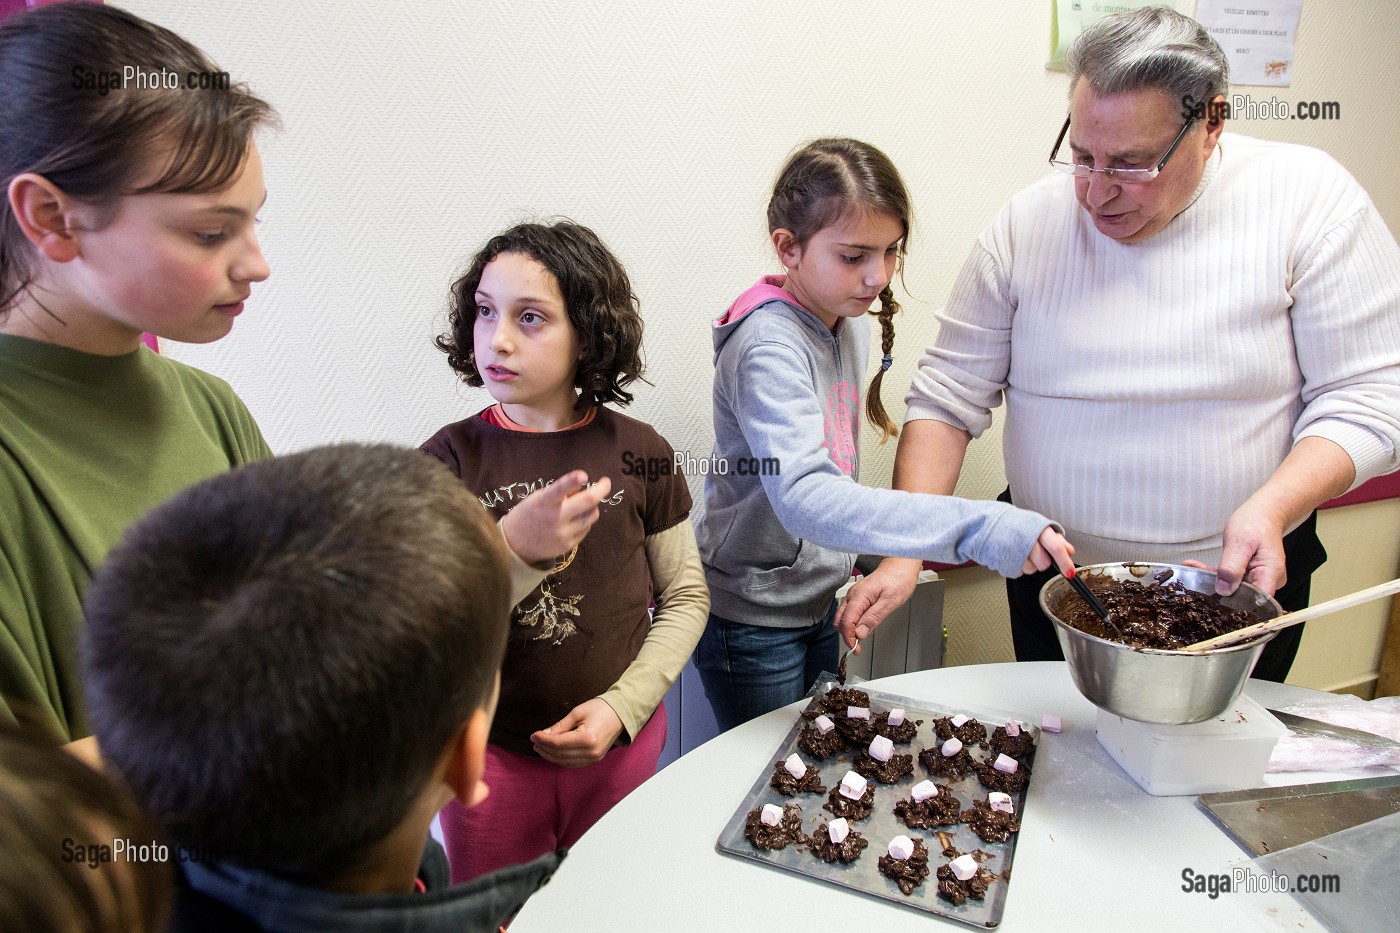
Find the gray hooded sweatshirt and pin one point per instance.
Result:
(784, 510)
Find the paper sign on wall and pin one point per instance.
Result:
(1068, 18)
(1258, 37)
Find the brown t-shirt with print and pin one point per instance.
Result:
(575, 634)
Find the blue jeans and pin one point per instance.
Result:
(749, 670)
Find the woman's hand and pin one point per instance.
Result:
(580, 738)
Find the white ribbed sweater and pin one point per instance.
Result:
(1152, 387)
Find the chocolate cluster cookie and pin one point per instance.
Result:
(909, 872)
(847, 850)
(886, 772)
(901, 734)
(848, 808)
(784, 783)
(990, 825)
(942, 809)
(1007, 782)
(951, 888)
(766, 837)
(953, 767)
(819, 746)
(834, 702)
(971, 732)
(1013, 746)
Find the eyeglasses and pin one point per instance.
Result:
(1133, 176)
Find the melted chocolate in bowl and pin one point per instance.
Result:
(1159, 613)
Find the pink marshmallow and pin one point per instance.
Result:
(823, 725)
(1003, 763)
(772, 814)
(857, 712)
(896, 717)
(923, 791)
(1013, 728)
(838, 830)
(964, 867)
(1000, 802)
(1050, 723)
(795, 767)
(852, 786)
(951, 748)
(881, 748)
(959, 721)
(901, 847)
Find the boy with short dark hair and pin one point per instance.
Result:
(295, 666)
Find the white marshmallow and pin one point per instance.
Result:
(964, 867)
(852, 786)
(1013, 728)
(923, 791)
(795, 767)
(823, 725)
(951, 748)
(1006, 764)
(772, 814)
(1001, 802)
(896, 717)
(901, 847)
(959, 720)
(857, 712)
(838, 829)
(881, 748)
(1050, 723)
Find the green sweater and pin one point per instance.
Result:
(87, 445)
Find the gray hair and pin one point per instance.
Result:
(1154, 48)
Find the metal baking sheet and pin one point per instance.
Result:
(1270, 819)
(863, 875)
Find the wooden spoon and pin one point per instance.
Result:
(1250, 632)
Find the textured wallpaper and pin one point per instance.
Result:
(413, 131)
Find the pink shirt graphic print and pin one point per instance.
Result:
(840, 423)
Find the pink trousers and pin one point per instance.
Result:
(536, 807)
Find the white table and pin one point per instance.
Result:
(649, 867)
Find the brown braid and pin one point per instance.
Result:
(874, 405)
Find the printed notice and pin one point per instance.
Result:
(1068, 18)
(1258, 37)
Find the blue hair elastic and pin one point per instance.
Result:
(885, 362)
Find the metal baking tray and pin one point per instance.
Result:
(863, 875)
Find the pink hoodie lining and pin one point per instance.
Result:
(766, 289)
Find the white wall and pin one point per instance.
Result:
(413, 131)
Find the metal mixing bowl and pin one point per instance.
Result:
(1152, 685)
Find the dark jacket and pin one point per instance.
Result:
(222, 898)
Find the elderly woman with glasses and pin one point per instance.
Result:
(1196, 334)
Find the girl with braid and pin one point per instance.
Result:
(784, 512)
